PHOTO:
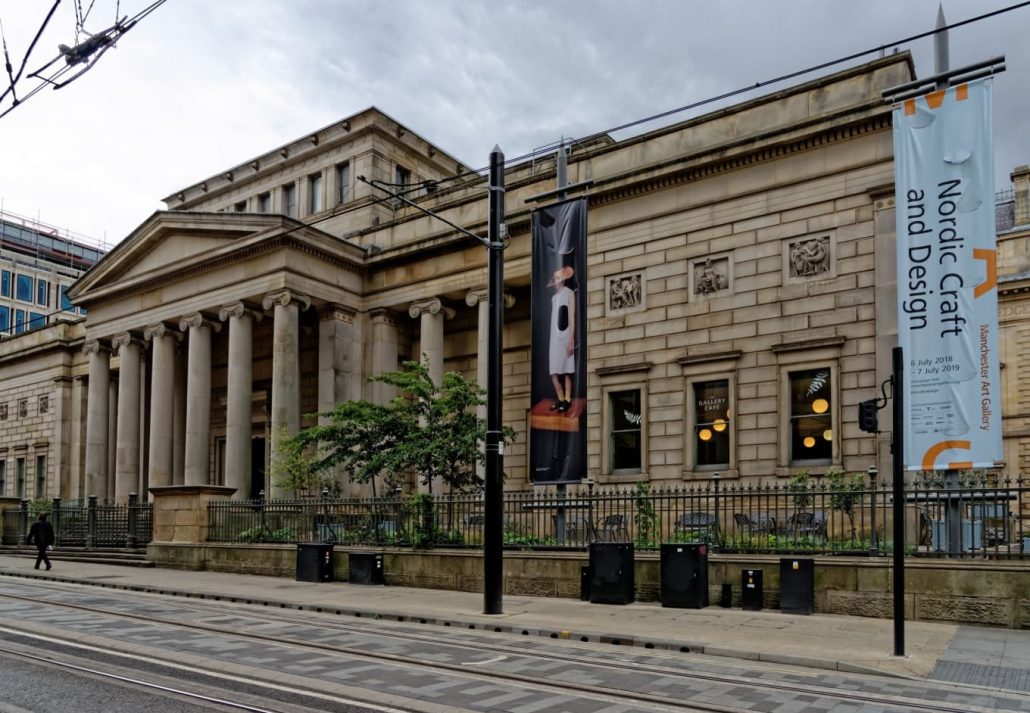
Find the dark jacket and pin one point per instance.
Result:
(42, 533)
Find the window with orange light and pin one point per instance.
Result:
(712, 423)
(811, 417)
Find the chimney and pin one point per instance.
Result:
(1021, 190)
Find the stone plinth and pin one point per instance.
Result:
(180, 511)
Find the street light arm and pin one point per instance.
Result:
(375, 183)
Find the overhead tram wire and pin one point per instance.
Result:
(736, 92)
(28, 53)
(87, 52)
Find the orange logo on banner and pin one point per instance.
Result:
(930, 457)
(934, 100)
(991, 280)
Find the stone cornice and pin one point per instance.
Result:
(624, 368)
(730, 355)
(805, 344)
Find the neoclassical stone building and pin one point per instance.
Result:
(741, 297)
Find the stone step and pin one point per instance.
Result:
(126, 558)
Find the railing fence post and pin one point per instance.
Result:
(55, 519)
(131, 520)
(24, 517)
(91, 523)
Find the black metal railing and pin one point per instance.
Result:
(841, 514)
(95, 525)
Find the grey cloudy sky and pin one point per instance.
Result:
(199, 86)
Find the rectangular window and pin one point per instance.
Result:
(66, 304)
(811, 417)
(625, 431)
(82, 311)
(5, 320)
(315, 202)
(712, 423)
(264, 203)
(3, 478)
(5, 283)
(342, 183)
(42, 292)
(40, 477)
(290, 200)
(20, 468)
(240, 207)
(19, 321)
(401, 178)
(36, 320)
(23, 288)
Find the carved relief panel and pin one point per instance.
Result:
(710, 276)
(624, 293)
(810, 257)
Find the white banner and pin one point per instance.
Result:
(947, 278)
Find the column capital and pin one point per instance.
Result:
(198, 320)
(155, 331)
(124, 339)
(382, 315)
(94, 346)
(239, 309)
(336, 311)
(430, 306)
(482, 294)
(282, 298)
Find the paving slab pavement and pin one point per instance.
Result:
(843, 643)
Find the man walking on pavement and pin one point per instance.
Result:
(41, 533)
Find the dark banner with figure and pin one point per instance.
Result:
(558, 415)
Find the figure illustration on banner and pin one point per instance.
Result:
(562, 349)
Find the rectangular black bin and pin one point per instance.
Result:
(584, 583)
(611, 573)
(797, 585)
(365, 568)
(314, 562)
(751, 589)
(684, 571)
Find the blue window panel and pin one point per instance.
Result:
(19, 321)
(42, 292)
(5, 320)
(5, 283)
(36, 320)
(82, 311)
(65, 302)
(23, 288)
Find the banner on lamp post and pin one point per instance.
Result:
(947, 278)
(558, 383)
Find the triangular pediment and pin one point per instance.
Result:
(170, 242)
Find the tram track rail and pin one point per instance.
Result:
(371, 627)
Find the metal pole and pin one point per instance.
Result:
(493, 528)
(941, 54)
(898, 466)
(873, 542)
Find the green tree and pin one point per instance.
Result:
(846, 491)
(431, 429)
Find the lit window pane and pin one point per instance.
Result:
(811, 416)
(712, 423)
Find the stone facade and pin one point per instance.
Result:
(739, 259)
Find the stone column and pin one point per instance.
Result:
(338, 356)
(96, 419)
(285, 370)
(480, 298)
(162, 399)
(384, 352)
(77, 485)
(112, 432)
(179, 417)
(432, 313)
(62, 433)
(239, 397)
(126, 468)
(198, 398)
